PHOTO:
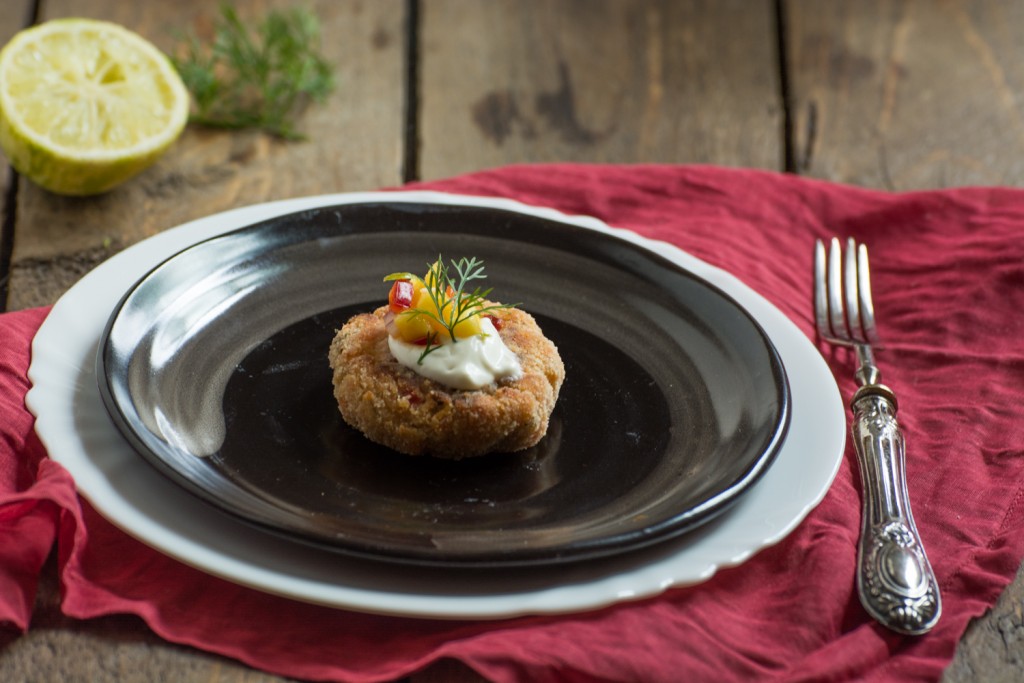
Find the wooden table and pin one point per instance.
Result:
(889, 94)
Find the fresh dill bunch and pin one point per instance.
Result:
(452, 301)
(256, 77)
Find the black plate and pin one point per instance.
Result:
(214, 367)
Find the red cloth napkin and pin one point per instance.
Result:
(949, 293)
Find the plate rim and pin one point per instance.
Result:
(694, 563)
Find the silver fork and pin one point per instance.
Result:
(894, 578)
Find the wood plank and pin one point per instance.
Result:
(907, 95)
(16, 16)
(510, 81)
(356, 143)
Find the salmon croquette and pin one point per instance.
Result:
(396, 406)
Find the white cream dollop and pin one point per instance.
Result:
(470, 363)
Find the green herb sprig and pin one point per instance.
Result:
(460, 305)
(258, 78)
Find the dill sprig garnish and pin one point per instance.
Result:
(258, 78)
(452, 301)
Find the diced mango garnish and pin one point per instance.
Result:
(413, 327)
(418, 323)
(417, 319)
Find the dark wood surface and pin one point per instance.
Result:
(898, 95)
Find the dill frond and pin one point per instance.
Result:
(256, 77)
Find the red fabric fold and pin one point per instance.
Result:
(32, 488)
(949, 289)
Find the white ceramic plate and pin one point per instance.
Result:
(75, 428)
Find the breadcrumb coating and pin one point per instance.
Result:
(394, 406)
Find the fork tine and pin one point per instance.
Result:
(850, 289)
(820, 292)
(867, 306)
(837, 318)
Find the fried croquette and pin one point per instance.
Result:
(394, 406)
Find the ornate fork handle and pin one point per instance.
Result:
(895, 580)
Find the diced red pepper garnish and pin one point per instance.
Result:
(400, 296)
(496, 321)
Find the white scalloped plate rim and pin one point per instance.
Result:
(73, 425)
